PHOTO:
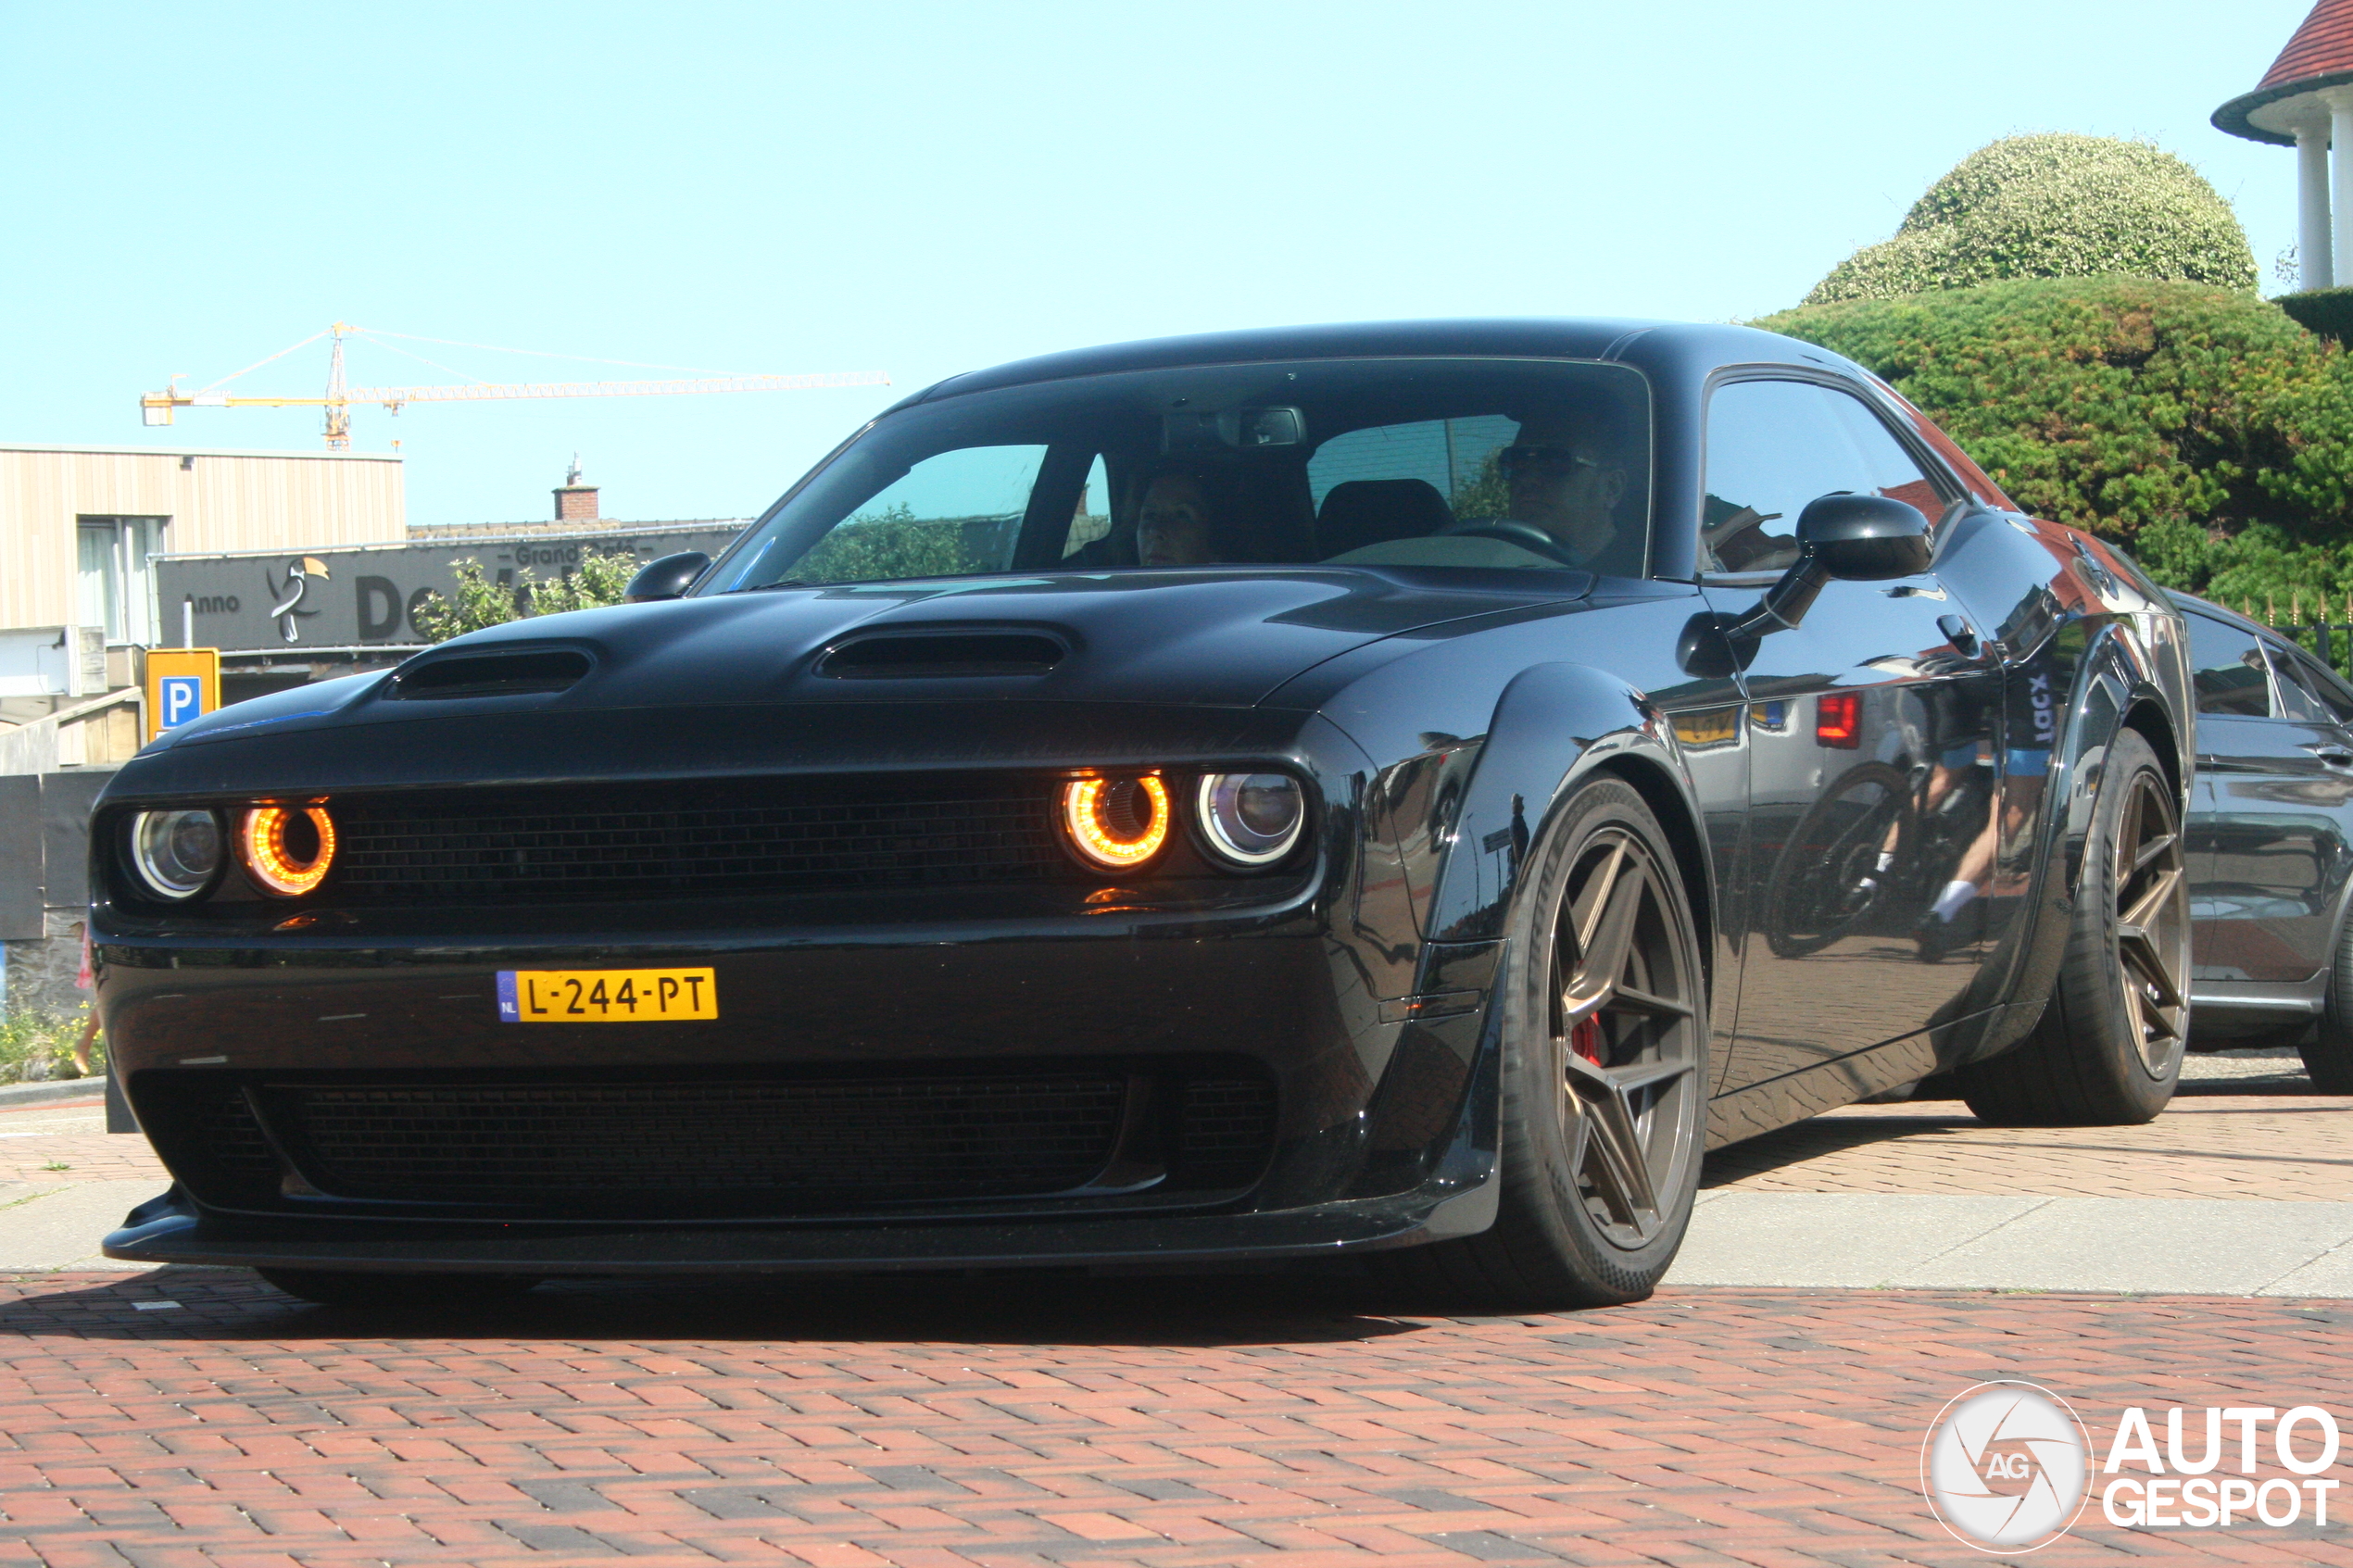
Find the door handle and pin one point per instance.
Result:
(1960, 633)
(2335, 756)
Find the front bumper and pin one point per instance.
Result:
(172, 1229)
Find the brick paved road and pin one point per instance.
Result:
(989, 1423)
(1054, 1421)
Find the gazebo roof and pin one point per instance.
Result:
(2321, 55)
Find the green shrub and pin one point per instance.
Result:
(36, 1046)
(895, 543)
(2326, 311)
(599, 581)
(2199, 425)
(2054, 206)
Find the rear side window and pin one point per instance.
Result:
(1773, 446)
(2306, 693)
(2226, 666)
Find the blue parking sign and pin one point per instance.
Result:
(181, 699)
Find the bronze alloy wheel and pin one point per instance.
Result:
(1622, 1045)
(1604, 1034)
(2153, 925)
(2108, 1047)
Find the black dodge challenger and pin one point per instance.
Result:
(1401, 791)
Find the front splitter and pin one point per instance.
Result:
(172, 1229)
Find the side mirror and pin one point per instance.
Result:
(1863, 538)
(1844, 536)
(667, 577)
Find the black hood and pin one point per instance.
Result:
(1214, 638)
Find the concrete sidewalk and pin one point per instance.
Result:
(2199, 1245)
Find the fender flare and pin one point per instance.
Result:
(2114, 679)
(1554, 726)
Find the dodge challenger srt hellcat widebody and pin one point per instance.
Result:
(1401, 791)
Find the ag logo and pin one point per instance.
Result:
(2004, 1466)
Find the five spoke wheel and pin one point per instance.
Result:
(2153, 925)
(1623, 1035)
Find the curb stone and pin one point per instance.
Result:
(14, 1095)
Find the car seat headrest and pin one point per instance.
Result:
(1373, 511)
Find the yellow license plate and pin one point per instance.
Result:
(606, 996)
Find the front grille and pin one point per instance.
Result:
(694, 838)
(906, 1139)
(713, 1145)
(1227, 1125)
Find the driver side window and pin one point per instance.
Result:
(1773, 446)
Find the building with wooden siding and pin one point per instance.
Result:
(80, 524)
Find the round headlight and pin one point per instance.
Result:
(287, 848)
(1116, 824)
(176, 853)
(1252, 819)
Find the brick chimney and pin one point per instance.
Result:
(575, 502)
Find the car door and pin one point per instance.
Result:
(2268, 834)
(1871, 758)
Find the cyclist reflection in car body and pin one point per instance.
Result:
(2029, 729)
(1950, 736)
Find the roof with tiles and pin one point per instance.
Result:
(2322, 47)
(2319, 55)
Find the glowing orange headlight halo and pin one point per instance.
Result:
(261, 844)
(1083, 803)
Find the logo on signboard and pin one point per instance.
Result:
(289, 592)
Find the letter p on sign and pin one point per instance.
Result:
(182, 683)
(183, 699)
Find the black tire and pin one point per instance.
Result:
(2327, 1049)
(1572, 1230)
(2107, 1051)
(335, 1287)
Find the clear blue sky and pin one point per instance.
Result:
(925, 189)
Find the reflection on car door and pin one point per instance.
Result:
(2268, 835)
(1871, 771)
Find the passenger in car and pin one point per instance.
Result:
(1560, 476)
(1176, 525)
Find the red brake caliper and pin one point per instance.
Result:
(1585, 1039)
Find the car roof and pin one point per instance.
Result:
(1533, 337)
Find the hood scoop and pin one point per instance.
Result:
(518, 673)
(912, 656)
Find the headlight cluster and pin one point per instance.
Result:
(180, 855)
(1246, 821)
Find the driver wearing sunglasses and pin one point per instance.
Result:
(1557, 482)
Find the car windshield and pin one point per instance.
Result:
(1464, 464)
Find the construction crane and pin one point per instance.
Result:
(157, 408)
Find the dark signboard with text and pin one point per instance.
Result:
(368, 595)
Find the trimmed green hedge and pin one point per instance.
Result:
(2054, 206)
(2202, 426)
(2326, 311)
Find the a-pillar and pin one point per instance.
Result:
(2340, 101)
(2314, 257)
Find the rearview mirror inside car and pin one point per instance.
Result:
(1198, 430)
